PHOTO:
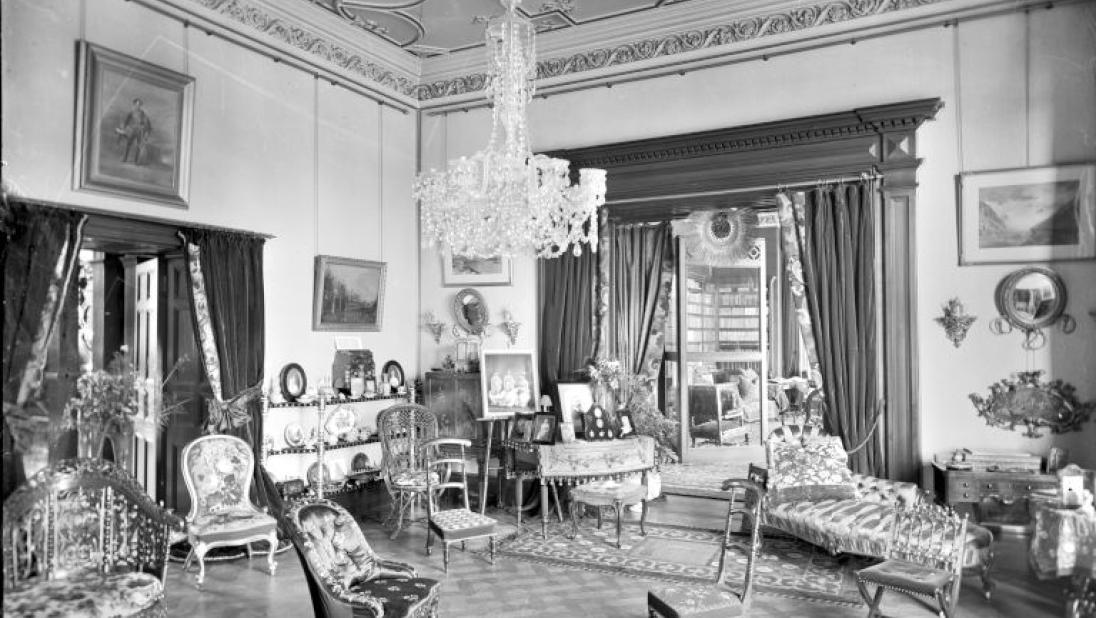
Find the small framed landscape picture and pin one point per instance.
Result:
(133, 127)
(574, 400)
(459, 270)
(348, 294)
(1031, 214)
(508, 379)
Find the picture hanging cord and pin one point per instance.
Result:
(1027, 88)
(315, 165)
(957, 70)
(380, 181)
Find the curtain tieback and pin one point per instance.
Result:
(227, 415)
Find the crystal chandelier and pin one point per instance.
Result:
(504, 200)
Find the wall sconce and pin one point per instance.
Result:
(509, 326)
(433, 325)
(956, 321)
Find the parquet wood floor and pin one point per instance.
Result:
(475, 588)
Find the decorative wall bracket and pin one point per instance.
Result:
(509, 326)
(1032, 403)
(433, 325)
(956, 321)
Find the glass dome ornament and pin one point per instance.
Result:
(504, 200)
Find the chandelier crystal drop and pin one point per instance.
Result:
(504, 200)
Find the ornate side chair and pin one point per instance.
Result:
(404, 429)
(217, 470)
(743, 534)
(924, 558)
(82, 538)
(345, 577)
(459, 524)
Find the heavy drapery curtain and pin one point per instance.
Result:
(638, 273)
(39, 256)
(834, 227)
(565, 316)
(226, 292)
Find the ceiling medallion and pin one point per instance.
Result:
(718, 237)
(504, 200)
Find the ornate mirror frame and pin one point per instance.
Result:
(1012, 317)
(474, 322)
(1027, 401)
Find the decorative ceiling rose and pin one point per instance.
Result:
(718, 237)
(504, 200)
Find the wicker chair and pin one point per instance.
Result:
(924, 558)
(345, 577)
(720, 600)
(82, 538)
(217, 470)
(404, 430)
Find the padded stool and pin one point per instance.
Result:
(608, 493)
(978, 556)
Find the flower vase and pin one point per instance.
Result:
(89, 441)
(120, 434)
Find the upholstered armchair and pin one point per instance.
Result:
(82, 538)
(345, 577)
(404, 431)
(218, 470)
(716, 412)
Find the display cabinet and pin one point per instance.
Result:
(300, 440)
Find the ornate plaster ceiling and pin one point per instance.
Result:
(433, 27)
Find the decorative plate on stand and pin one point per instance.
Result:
(294, 435)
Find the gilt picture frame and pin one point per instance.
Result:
(1030, 214)
(348, 294)
(134, 123)
(458, 271)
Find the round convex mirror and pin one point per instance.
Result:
(1032, 297)
(470, 311)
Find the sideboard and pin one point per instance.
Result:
(978, 491)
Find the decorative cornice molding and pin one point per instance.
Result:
(258, 18)
(876, 120)
(745, 29)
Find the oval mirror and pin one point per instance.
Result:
(470, 311)
(293, 382)
(1032, 297)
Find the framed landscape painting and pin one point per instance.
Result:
(348, 294)
(459, 270)
(1032, 214)
(133, 127)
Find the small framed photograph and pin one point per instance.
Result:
(521, 429)
(1057, 459)
(574, 400)
(599, 424)
(544, 428)
(625, 427)
(508, 379)
(133, 127)
(348, 294)
(460, 270)
(1031, 214)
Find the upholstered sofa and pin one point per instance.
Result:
(812, 495)
(82, 538)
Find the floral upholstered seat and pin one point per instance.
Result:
(345, 576)
(218, 469)
(83, 539)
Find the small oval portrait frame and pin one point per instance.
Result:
(293, 382)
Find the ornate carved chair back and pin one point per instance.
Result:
(83, 517)
(332, 541)
(742, 533)
(217, 469)
(929, 535)
(403, 430)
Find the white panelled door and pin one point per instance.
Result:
(144, 341)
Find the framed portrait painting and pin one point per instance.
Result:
(1031, 214)
(574, 400)
(460, 270)
(133, 127)
(508, 379)
(348, 294)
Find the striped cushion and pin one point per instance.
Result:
(852, 526)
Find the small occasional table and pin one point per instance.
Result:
(1064, 545)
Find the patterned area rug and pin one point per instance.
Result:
(787, 567)
(704, 480)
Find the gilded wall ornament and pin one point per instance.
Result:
(1031, 403)
(718, 237)
(956, 321)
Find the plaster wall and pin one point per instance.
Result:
(1018, 90)
(275, 151)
